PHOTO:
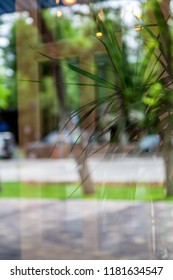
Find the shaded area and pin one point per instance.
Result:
(10, 247)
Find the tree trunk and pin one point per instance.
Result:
(84, 172)
(168, 159)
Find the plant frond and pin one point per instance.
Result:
(97, 79)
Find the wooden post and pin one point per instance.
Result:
(28, 70)
(28, 120)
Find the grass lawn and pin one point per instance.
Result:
(70, 191)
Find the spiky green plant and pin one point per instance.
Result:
(130, 91)
(163, 35)
(143, 85)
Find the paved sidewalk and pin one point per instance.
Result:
(82, 229)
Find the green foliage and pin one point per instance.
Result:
(49, 104)
(60, 27)
(153, 95)
(160, 98)
(4, 95)
(9, 56)
(133, 88)
(48, 96)
(26, 32)
(72, 89)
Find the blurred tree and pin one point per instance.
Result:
(10, 59)
(56, 90)
(4, 89)
(160, 98)
(67, 25)
(49, 105)
(9, 56)
(64, 105)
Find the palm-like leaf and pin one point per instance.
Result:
(163, 37)
(132, 80)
